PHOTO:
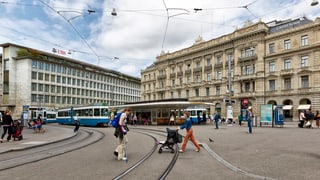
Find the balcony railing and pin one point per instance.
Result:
(208, 67)
(172, 75)
(162, 76)
(197, 69)
(286, 72)
(248, 58)
(188, 71)
(180, 73)
(219, 64)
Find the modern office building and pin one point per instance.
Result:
(33, 78)
(261, 63)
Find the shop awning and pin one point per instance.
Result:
(287, 107)
(304, 106)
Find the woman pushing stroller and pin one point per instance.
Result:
(189, 135)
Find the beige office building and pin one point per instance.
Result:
(33, 78)
(262, 63)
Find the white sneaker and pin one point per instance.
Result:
(124, 159)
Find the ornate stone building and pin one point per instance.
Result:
(262, 63)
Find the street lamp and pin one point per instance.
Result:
(314, 3)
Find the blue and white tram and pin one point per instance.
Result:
(48, 116)
(87, 115)
(195, 112)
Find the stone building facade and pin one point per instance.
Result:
(39, 79)
(262, 63)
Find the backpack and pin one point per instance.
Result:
(115, 121)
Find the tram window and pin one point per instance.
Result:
(104, 112)
(193, 113)
(96, 112)
(90, 111)
(44, 114)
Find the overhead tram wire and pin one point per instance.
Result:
(74, 28)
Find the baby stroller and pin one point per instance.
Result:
(16, 131)
(173, 137)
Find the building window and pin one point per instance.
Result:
(248, 52)
(34, 86)
(218, 90)
(40, 87)
(180, 81)
(287, 64)
(53, 68)
(34, 75)
(207, 91)
(198, 78)
(40, 76)
(46, 66)
(172, 70)
(33, 98)
(304, 40)
(287, 83)
(189, 79)
(46, 77)
(58, 89)
(179, 94)
(40, 65)
(271, 48)
(208, 61)
(209, 77)
(46, 88)
(304, 81)
(304, 61)
(197, 94)
(219, 60)
(34, 64)
(247, 87)
(171, 95)
(187, 93)
(198, 65)
(180, 68)
(272, 66)
(287, 44)
(173, 82)
(272, 85)
(219, 75)
(248, 69)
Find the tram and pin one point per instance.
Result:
(159, 112)
(48, 116)
(87, 115)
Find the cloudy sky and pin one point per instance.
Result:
(141, 29)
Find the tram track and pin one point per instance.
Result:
(145, 158)
(18, 158)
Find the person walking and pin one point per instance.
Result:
(122, 134)
(135, 119)
(240, 119)
(189, 135)
(249, 117)
(302, 118)
(7, 124)
(317, 118)
(76, 123)
(216, 118)
(171, 121)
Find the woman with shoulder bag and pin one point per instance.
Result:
(7, 123)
